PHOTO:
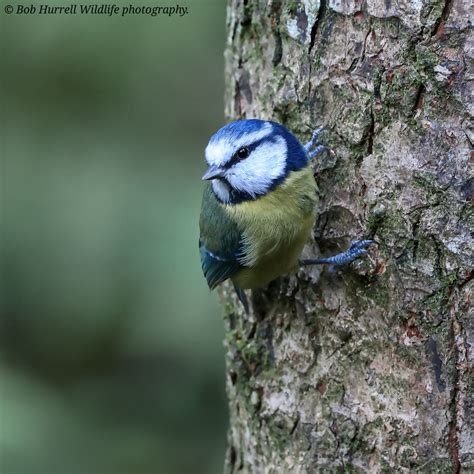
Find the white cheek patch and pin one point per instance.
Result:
(256, 174)
(221, 151)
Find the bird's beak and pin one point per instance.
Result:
(213, 172)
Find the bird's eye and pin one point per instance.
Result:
(243, 152)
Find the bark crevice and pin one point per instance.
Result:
(439, 25)
(317, 23)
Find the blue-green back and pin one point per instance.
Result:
(219, 241)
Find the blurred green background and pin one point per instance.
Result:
(111, 352)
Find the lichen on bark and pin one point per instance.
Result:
(367, 369)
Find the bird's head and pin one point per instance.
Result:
(249, 158)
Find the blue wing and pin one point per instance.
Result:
(217, 268)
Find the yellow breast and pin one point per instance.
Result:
(275, 228)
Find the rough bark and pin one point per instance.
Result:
(366, 369)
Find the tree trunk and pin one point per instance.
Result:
(367, 368)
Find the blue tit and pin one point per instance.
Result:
(259, 205)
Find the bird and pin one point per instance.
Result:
(259, 205)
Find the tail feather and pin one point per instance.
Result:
(243, 298)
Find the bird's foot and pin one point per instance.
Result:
(357, 249)
(314, 147)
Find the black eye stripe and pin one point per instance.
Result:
(235, 159)
(242, 152)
